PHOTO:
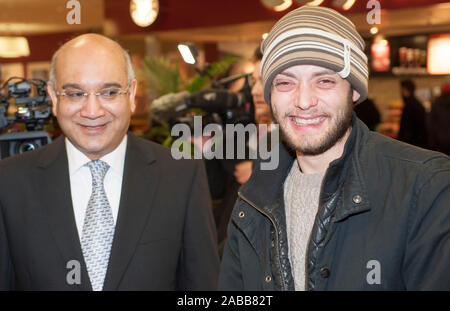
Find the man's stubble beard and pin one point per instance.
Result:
(338, 129)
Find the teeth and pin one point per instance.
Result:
(299, 121)
(94, 127)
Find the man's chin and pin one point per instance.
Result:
(305, 148)
(91, 150)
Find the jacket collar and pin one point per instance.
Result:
(346, 172)
(265, 187)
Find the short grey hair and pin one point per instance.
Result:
(126, 55)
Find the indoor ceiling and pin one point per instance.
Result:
(205, 20)
(28, 17)
(430, 19)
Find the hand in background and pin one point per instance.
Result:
(243, 171)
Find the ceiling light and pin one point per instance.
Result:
(189, 52)
(348, 4)
(277, 5)
(144, 12)
(313, 2)
(374, 30)
(283, 6)
(11, 47)
(344, 4)
(264, 36)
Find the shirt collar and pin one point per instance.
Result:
(115, 159)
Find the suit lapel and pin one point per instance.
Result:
(53, 184)
(139, 183)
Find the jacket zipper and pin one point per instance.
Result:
(276, 231)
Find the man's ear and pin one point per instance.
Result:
(132, 95)
(355, 96)
(52, 93)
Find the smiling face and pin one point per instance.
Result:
(313, 106)
(92, 63)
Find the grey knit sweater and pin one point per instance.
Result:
(301, 197)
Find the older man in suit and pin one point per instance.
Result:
(100, 208)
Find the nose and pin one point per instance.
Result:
(304, 97)
(257, 88)
(92, 108)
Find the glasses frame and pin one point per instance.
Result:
(96, 93)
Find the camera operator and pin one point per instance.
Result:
(243, 169)
(222, 173)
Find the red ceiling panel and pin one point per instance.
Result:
(182, 14)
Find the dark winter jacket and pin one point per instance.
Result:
(383, 222)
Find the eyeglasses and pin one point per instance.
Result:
(105, 95)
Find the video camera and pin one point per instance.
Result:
(33, 111)
(220, 105)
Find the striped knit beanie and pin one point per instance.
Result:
(318, 36)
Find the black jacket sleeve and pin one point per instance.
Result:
(198, 267)
(427, 258)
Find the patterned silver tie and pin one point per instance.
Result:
(98, 227)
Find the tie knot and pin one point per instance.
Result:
(98, 170)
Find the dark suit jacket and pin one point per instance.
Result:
(164, 239)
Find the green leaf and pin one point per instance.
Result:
(162, 76)
(215, 69)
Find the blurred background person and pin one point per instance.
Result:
(440, 122)
(223, 180)
(243, 169)
(368, 113)
(262, 110)
(412, 125)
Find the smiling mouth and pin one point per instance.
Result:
(302, 121)
(93, 127)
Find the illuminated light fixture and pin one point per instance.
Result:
(144, 12)
(348, 4)
(344, 4)
(380, 51)
(277, 5)
(374, 30)
(264, 36)
(11, 47)
(189, 52)
(283, 6)
(438, 62)
(313, 2)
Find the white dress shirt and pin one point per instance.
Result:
(81, 180)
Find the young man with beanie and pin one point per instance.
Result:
(346, 209)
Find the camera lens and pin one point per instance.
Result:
(26, 146)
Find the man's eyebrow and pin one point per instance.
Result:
(78, 86)
(71, 86)
(323, 73)
(114, 84)
(287, 73)
(315, 74)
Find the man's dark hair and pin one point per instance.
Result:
(409, 86)
(257, 55)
